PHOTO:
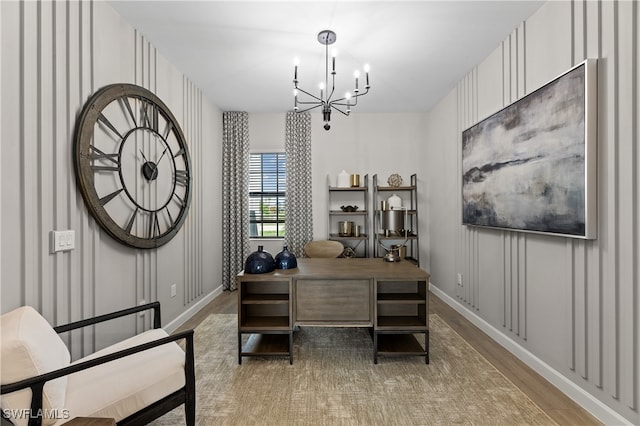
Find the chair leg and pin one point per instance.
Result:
(190, 383)
(190, 410)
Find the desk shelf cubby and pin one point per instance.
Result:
(264, 313)
(401, 312)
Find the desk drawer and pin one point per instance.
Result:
(333, 302)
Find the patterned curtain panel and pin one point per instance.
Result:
(235, 195)
(298, 217)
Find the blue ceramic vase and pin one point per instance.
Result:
(286, 260)
(259, 262)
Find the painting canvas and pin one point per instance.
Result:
(531, 166)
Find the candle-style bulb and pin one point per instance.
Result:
(366, 73)
(334, 53)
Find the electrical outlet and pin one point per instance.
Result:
(173, 290)
(142, 302)
(459, 278)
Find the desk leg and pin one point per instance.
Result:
(375, 347)
(239, 348)
(426, 347)
(291, 348)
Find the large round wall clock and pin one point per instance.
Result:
(132, 165)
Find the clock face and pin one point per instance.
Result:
(132, 165)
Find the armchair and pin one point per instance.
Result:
(134, 381)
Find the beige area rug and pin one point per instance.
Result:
(333, 381)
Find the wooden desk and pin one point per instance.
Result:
(390, 298)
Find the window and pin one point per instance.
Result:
(267, 194)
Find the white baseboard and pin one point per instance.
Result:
(587, 401)
(183, 317)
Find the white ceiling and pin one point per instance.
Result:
(241, 53)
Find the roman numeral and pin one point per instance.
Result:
(104, 200)
(169, 214)
(179, 153)
(98, 155)
(149, 116)
(154, 225)
(182, 177)
(105, 168)
(127, 104)
(178, 200)
(167, 129)
(129, 226)
(106, 122)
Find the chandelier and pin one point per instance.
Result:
(326, 100)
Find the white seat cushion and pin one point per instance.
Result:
(120, 388)
(29, 347)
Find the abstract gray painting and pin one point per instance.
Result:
(524, 167)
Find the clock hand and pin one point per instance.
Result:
(143, 157)
(163, 152)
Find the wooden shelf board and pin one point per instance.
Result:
(401, 322)
(396, 237)
(401, 298)
(265, 323)
(337, 237)
(410, 211)
(396, 188)
(264, 298)
(341, 213)
(266, 344)
(348, 188)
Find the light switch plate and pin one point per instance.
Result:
(62, 240)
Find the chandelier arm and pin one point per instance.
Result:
(308, 109)
(333, 105)
(340, 101)
(308, 94)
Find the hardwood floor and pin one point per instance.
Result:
(556, 404)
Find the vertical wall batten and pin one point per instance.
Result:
(593, 49)
(636, 195)
(45, 151)
(27, 296)
(37, 159)
(627, 214)
(573, 322)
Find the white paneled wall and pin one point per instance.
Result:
(568, 306)
(54, 56)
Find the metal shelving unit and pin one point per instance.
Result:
(355, 196)
(407, 193)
